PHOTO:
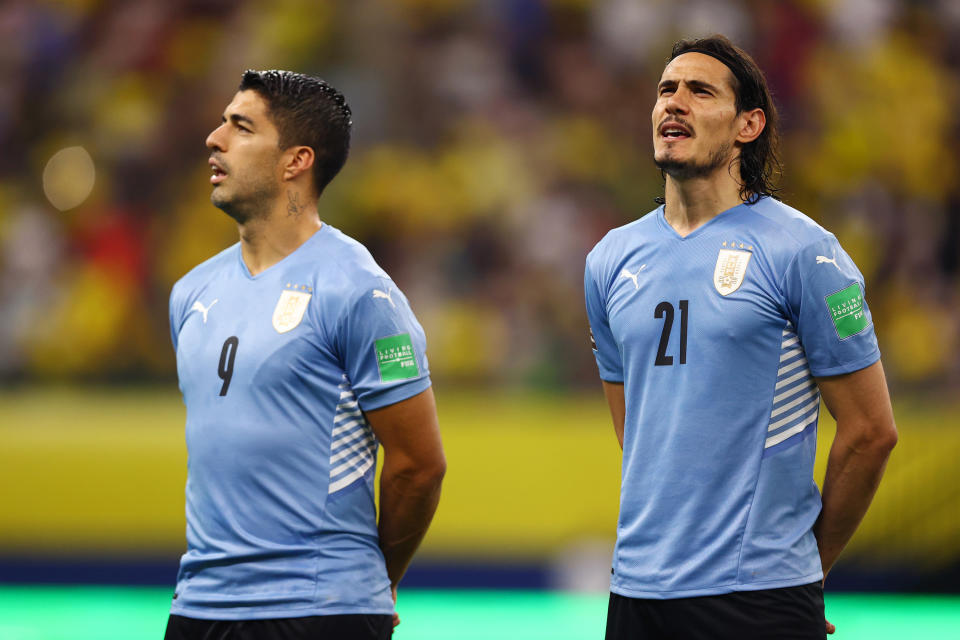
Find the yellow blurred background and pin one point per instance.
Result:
(495, 143)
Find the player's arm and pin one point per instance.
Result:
(413, 469)
(618, 407)
(866, 434)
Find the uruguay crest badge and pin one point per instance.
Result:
(730, 269)
(290, 309)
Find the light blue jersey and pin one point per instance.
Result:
(275, 371)
(716, 337)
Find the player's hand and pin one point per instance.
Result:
(831, 628)
(396, 616)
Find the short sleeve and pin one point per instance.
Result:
(826, 301)
(605, 348)
(383, 347)
(176, 315)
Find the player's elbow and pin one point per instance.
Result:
(876, 437)
(887, 439)
(421, 472)
(434, 470)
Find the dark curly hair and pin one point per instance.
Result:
(759, 160)
(306, 111)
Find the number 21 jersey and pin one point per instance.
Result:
(717, 337)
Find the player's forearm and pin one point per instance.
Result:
(408, 500)
(853, 474)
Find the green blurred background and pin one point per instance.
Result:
(495, 143)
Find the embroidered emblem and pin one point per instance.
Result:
(290, 309)
(730, 270)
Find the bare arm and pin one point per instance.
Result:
(866, 434)
(618, 407)
(413, 468)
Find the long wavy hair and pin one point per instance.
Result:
(760, 163)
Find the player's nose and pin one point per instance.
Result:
(215, 139)
(677, 102)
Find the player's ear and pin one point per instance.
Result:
(297, 160)
(751, 125)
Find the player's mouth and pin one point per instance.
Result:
(672, 130)
(219, 172)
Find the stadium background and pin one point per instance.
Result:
(495, 142)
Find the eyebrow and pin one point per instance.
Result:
(236, 117)
(693, 84)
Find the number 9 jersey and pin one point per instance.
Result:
(276, 371)
(717, 337)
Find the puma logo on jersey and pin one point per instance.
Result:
(833, 261)
(633, 276)
(385, 295)
(198, 306)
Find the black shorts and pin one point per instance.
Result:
(342, 627)
(791, 613)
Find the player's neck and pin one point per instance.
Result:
(693, 202)
(265, 241)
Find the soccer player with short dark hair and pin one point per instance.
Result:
(720, 320)
(297, 357)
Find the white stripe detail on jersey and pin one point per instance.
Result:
(346, 426)
(354, 444)
(362, 458)
(790, 354)
(793, 378)
(347, 480)
(349, 439)
(805, 385)
(793, 365)
(793, 403)
(796, 403)
(783, 435)
(359, 447)
(345, 414)
(810, 406)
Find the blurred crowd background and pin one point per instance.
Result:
(495, 142)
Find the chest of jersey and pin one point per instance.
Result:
(255, 369)
(237, 333)
(685, 303)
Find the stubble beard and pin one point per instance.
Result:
(252, 203)
(688, 169)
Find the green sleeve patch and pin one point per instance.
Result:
(846, 311)
(396, 358)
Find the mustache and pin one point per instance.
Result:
(219, 160)
(677, 120)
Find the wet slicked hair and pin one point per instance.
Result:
(306, 111)
(760, 164)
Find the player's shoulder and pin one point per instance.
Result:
(785, 226)
(617, 239)
(207, 269)
(350, 263)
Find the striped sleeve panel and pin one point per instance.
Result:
(796, 399)
(353, 451)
